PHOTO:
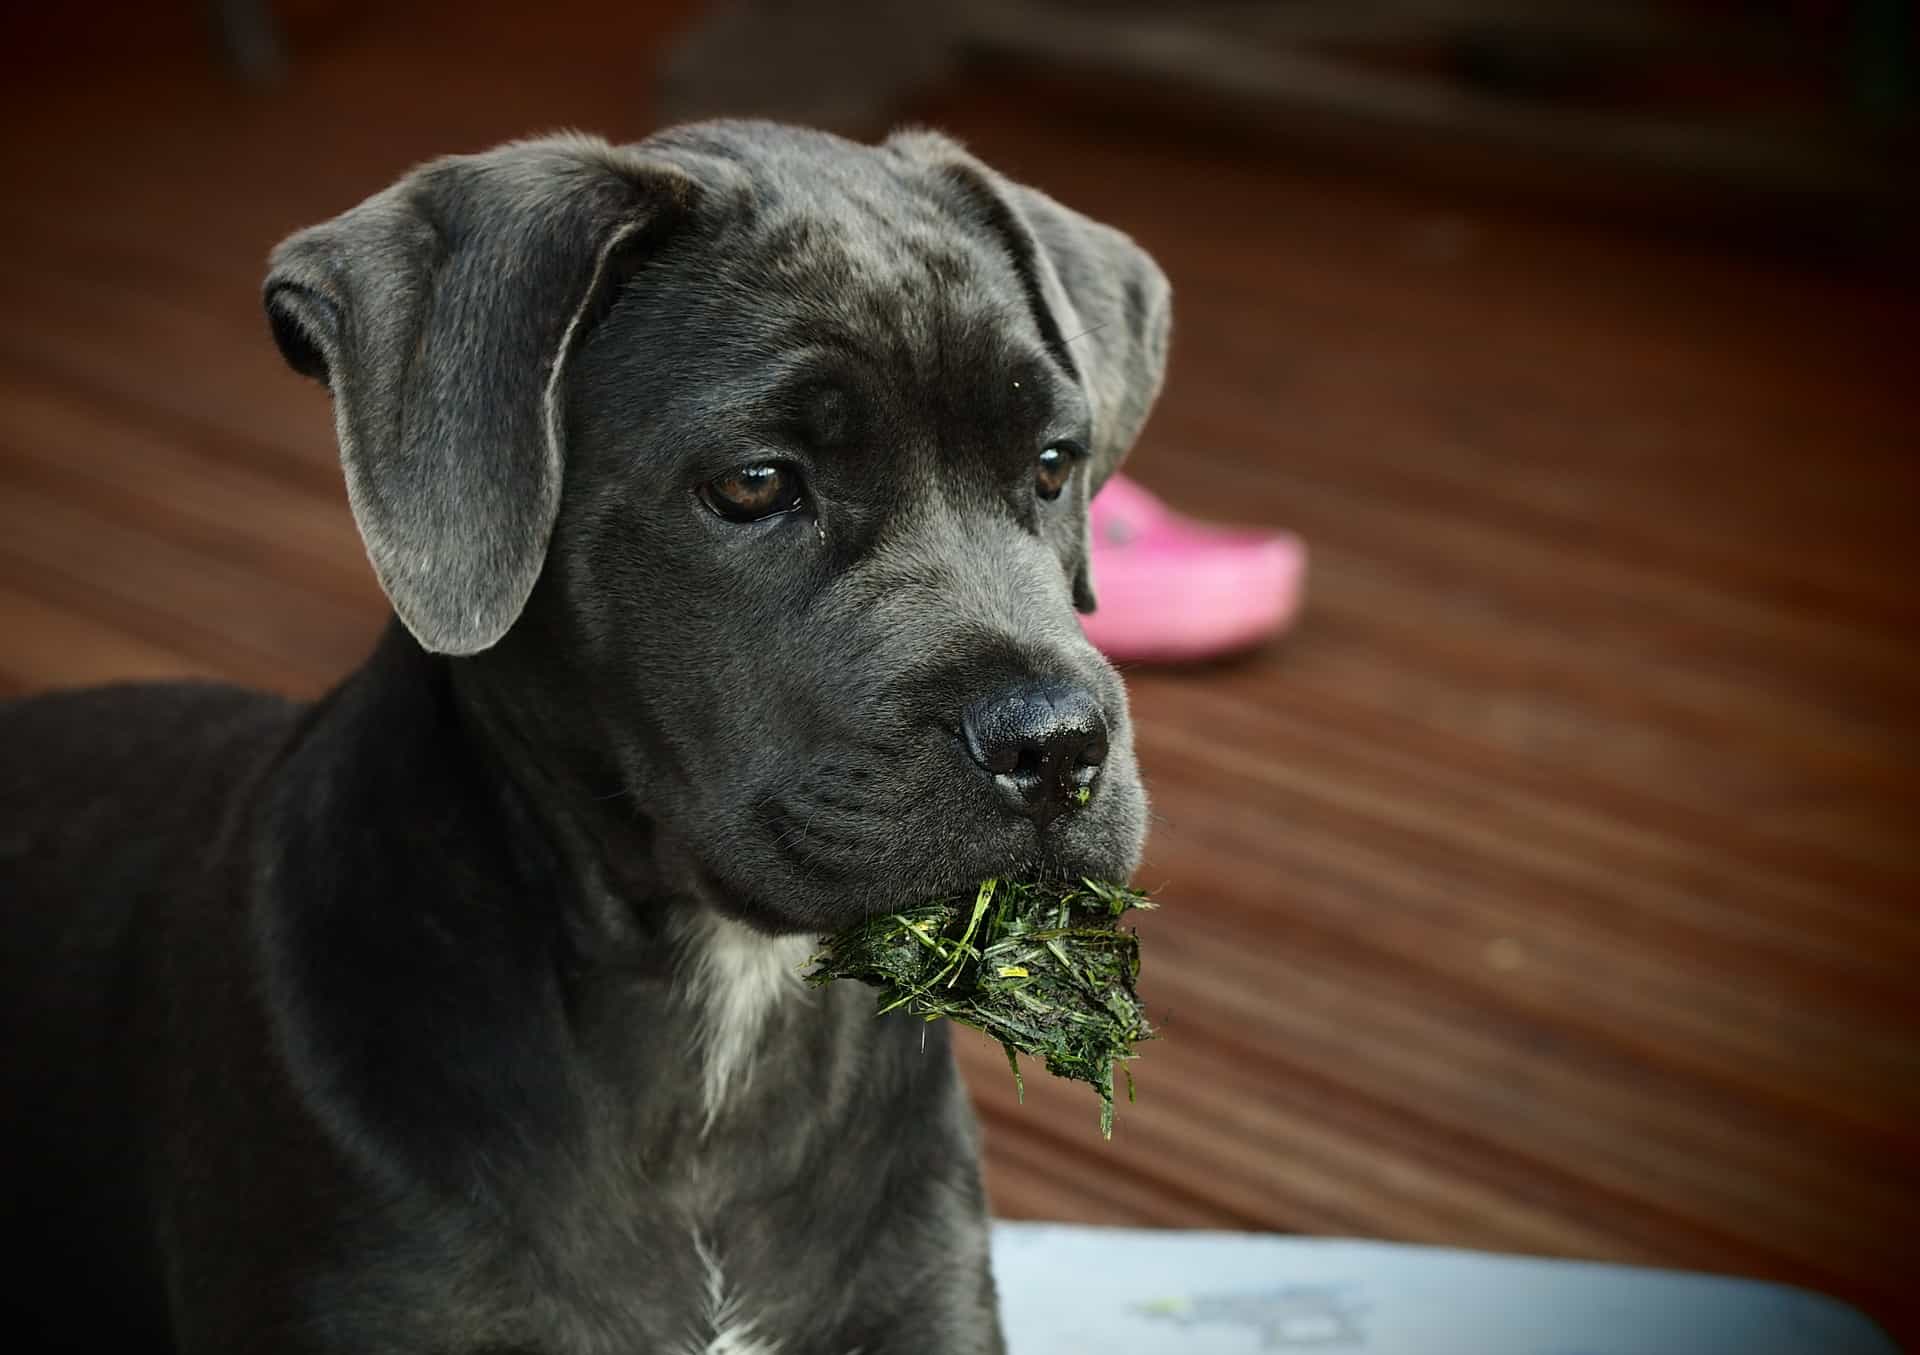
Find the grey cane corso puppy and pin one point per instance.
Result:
(730, 490)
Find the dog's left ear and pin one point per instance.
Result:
(442, 314)
(1101, 301)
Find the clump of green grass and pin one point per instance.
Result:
(1045, 970)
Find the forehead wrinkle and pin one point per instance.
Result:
(881, 279)
(843, 230)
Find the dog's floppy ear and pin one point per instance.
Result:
(1102, 302)
(442, 314)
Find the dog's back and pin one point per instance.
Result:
(112, 808)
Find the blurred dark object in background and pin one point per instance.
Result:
(1553, 888)
(1795, 116)
(1780, 121)
(248, 32)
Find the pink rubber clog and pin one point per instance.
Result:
(1173, 589)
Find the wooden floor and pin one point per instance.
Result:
(1554, 889)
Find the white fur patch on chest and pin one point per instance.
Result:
(737, 977)
(728, 1331)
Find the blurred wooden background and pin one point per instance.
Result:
(1554, 889)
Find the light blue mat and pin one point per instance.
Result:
(1109, 1291)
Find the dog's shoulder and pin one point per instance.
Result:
(71, 735)
(110, 781)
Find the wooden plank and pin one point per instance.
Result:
(50, 646)
(211, 610)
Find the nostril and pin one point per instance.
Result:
(1044, 743)
(1001, 756)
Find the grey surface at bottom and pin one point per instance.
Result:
(1067, 1289)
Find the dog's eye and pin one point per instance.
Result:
(750, 493)
(1052, 471)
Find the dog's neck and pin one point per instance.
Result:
(733, 976)
(556, 973)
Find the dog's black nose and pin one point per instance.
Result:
(1044, 743)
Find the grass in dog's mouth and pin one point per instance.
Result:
(1046, 970)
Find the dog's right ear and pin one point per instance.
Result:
(442, 314)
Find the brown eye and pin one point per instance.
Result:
(750, 493)
(1051, 472)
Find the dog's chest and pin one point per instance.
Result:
(674, 1294)
(837, 1175)
(684, 1270)
(719, 1243)
(714, 1262)
(725, 1252)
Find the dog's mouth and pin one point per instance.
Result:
(865, 827)
(786, 896)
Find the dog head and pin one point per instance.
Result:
(762, 460)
